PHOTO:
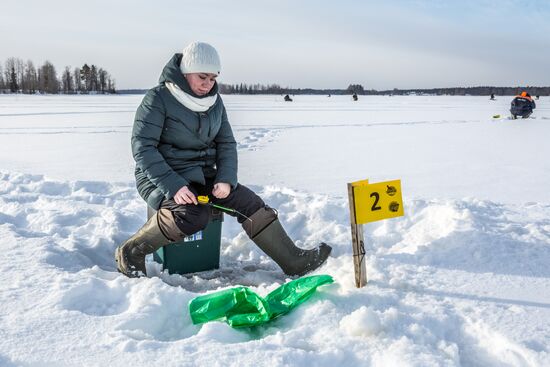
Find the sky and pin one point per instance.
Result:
(300, 44)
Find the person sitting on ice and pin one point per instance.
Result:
(522, 105)
(355, 98)
(288, 99)
(492, 98)
(184, 147)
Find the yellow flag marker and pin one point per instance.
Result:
(378, 201)
(369, 203)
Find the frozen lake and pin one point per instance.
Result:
(445, 147)
(461, 280)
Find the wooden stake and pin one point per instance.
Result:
(358, 243)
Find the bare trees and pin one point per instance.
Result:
(67, 81)
(47, 79)
(103, 79)
(30, 79)
(11, 75)
(77, 80)
(2, 83)
(19, 77)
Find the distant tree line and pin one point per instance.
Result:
(18, 76)
(258, 88)
(471, 91)
(355, 89)
(243, 88)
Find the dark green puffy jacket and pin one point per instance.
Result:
(174, 146)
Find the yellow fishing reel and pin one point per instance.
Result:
(202, 199)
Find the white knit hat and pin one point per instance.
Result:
(200, 57)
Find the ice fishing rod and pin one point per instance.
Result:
(205, 200)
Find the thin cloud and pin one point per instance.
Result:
(318, 44)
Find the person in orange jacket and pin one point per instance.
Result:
(522, 105)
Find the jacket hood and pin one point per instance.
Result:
(172, 73)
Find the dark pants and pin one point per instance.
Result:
(191, 218)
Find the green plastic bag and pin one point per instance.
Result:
(241, 307)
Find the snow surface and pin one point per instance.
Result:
(463, 279)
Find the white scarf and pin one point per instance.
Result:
(193, 103)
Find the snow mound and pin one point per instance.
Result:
(361, 322)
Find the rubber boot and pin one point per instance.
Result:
(160, 230)
(265, 230)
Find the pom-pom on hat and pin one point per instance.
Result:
(200, 57)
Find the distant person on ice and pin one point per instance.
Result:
(355, 98)
(183, 146)
(492, 98)
(288, 99)
(522, 105)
